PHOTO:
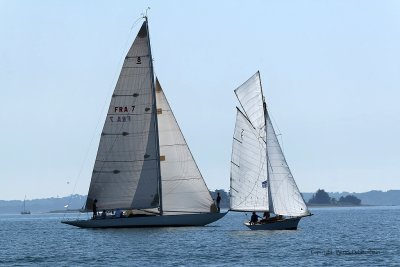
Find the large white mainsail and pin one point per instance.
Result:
(284, 197)
(183, 187)
(248, 168)
(126, 171)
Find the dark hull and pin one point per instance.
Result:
(286, 224)
(149, 221)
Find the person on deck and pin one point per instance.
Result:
(118, 213)
(218, 201)
(254, 218)
(265, 218)
(94, 208)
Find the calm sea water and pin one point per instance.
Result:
(364, 236)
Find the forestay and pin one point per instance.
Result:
(183, 187)
(248, 168)
(126, 171)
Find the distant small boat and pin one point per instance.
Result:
(261, 180)
(144, 166)
(24, 210)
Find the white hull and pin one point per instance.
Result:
(150, 221)
(286, 224)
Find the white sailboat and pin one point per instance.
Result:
(24, 210)
(261, 180)
(144, 166)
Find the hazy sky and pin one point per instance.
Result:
(330, 72)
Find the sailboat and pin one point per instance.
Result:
(261, 180)
(144, 166)
(24, 210)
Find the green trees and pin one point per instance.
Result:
(322, 198)
(349, 200)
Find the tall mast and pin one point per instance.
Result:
(270, 204)
(153, 88)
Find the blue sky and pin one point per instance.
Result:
(330, 72)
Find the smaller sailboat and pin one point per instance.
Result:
(261, 180)
(24, 210)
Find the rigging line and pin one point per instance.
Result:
(279, 134)
(136, 22)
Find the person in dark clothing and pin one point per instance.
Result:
(265, 217)
(218, 201)
(254, 218)
(104, 214)
(94, 208)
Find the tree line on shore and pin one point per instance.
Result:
(322, 198)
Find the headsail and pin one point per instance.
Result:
(248, 168)
(126, 171)
(183, 187)
(285, 195)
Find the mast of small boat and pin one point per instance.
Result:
(270, 204)
(153, 88)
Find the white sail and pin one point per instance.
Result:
(126, 171)
(248, 168)
(183, 187)
(250, 97)
(284, 194)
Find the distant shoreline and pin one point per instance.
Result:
(341, 206)
(75, 202)
(64, 211)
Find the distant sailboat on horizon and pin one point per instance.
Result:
(261, 180)
(24, 211)
(144, 166)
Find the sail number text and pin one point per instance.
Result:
(122, 118)
(124, 109)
